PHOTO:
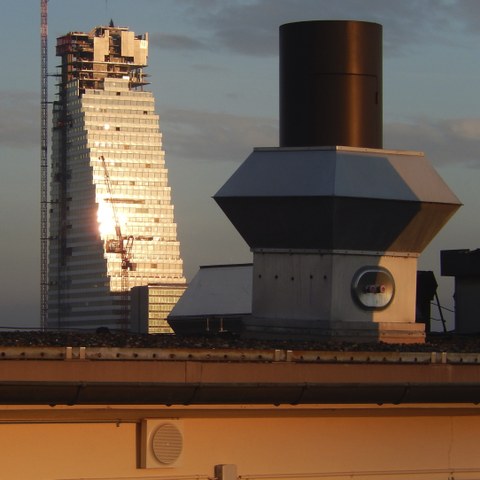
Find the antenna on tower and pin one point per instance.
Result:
(44, 166)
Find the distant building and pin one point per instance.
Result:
(150, 306)
(464, 266)
(111, 219)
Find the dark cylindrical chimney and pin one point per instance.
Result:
(331, 84)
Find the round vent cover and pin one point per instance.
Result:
(167, 443)
(373, 288)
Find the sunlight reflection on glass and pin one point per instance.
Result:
(106, 219)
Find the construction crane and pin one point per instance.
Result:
(44, 166)
(120, 245)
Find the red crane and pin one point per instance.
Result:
(120, 245)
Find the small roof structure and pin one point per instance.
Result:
(217, 290)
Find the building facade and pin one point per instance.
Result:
(150, 305)
(111, 219)
(237, 414)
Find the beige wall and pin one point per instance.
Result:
(295, 442)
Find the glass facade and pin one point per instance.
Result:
(111, 219)
(151, 305)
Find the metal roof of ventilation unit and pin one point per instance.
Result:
(337, 198)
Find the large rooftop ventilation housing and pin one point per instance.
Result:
(335, 222)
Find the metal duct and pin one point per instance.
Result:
(331, 84)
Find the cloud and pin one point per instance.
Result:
(169, 41)
(469, 12)
(445, 142)
(214, 136)
(251, 27)
(221, 137)
(19, 119)
(209, 68)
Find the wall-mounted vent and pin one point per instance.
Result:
(162, 443)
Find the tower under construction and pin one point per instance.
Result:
(111, 218)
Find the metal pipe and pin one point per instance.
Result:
(331, 84)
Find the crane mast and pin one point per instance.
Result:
(44, 166)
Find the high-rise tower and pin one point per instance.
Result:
(111, 218)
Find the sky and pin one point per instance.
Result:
(213, 67)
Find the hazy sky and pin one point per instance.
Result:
(214, 73)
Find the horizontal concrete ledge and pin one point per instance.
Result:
(29, 382)
(235, 355)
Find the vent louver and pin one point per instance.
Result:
(161, 443)
(167, 443)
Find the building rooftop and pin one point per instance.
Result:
(118, 369)
(435, 342)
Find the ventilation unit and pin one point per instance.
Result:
(161, 443)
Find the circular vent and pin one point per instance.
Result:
(167, 443)
(373, 287)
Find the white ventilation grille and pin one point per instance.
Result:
(162, 443)
(167, 443)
